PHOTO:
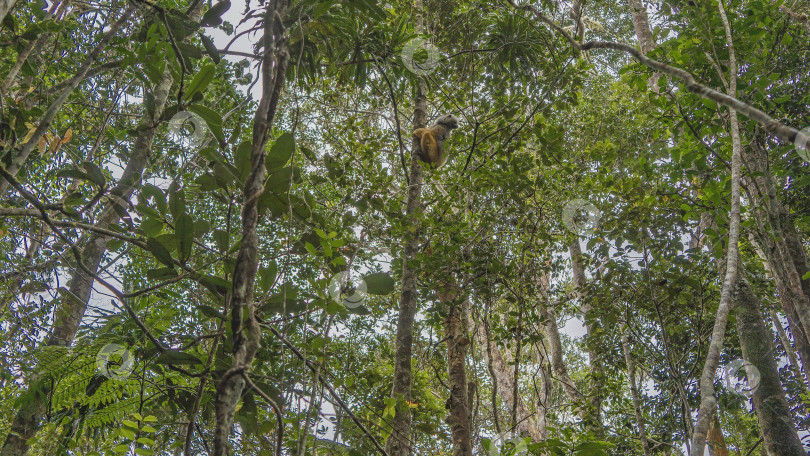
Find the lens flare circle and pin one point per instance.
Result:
(107, 356)
(420, 68)
(183, 135)
(351, 297)
(576, 224)
(735, 383)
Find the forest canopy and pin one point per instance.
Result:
(404, 228)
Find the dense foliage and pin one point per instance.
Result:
(212, 226)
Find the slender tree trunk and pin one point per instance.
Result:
(398, 443)
(716, 441)
(552, 331)
(779, 246)
(5, 8)
(545, 391)
(773, 413)
(791, 354)
(708, 401)
(195, 408)
(594, 405)
(641, 23)
(646, 41)
(71, 311)
(456, 335)
(503, 379)
(34, 47)
(631, 375)
(244, 326)
(545, 395)
(21, 155)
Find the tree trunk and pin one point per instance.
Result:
(545, 391)
(641, 23)
(456, 335)
(773, 413)
(21, 155)
(245, 328)
(503, 380)
(71, 311)
(716, 441)
(791, 354)
(646, 41)
(779, 246)
(631, 376)
(708, 401)
(594, 405)
(398, 443)
(5, 8)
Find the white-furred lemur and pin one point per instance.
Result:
(431, 140)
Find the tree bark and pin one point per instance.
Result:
(245, 328)
(779, 247)
(456, 334)
(708, 401)
(594, 405)
(503, 379)
(716, 441)
(18, 160)
(398, 443)
(5, 8)
(791, 354)
(70, 312)
(631, 376)
(646, 41)
(773, 413)
(641, 23)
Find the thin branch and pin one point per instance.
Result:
(326, 385)
(769, 123)
(276, 409)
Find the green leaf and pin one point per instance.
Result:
(267, 276)
(130, 423)
(207, 182)
(189, 51)
(279, 180)
(379, 283)
(73, 173)
(184, 233)
(210, 312)
(213, 16)
(201, 81)
(242, 157)
(151, 191)
(361, 310)
(177, 358)
(160, 251)
(216, 285)
(213, 119)
(95, 173)
(222, 240)
(177, 201)
(201, 228)
(152, 226)
(211, 49)
(280, 153)
(161, 274)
